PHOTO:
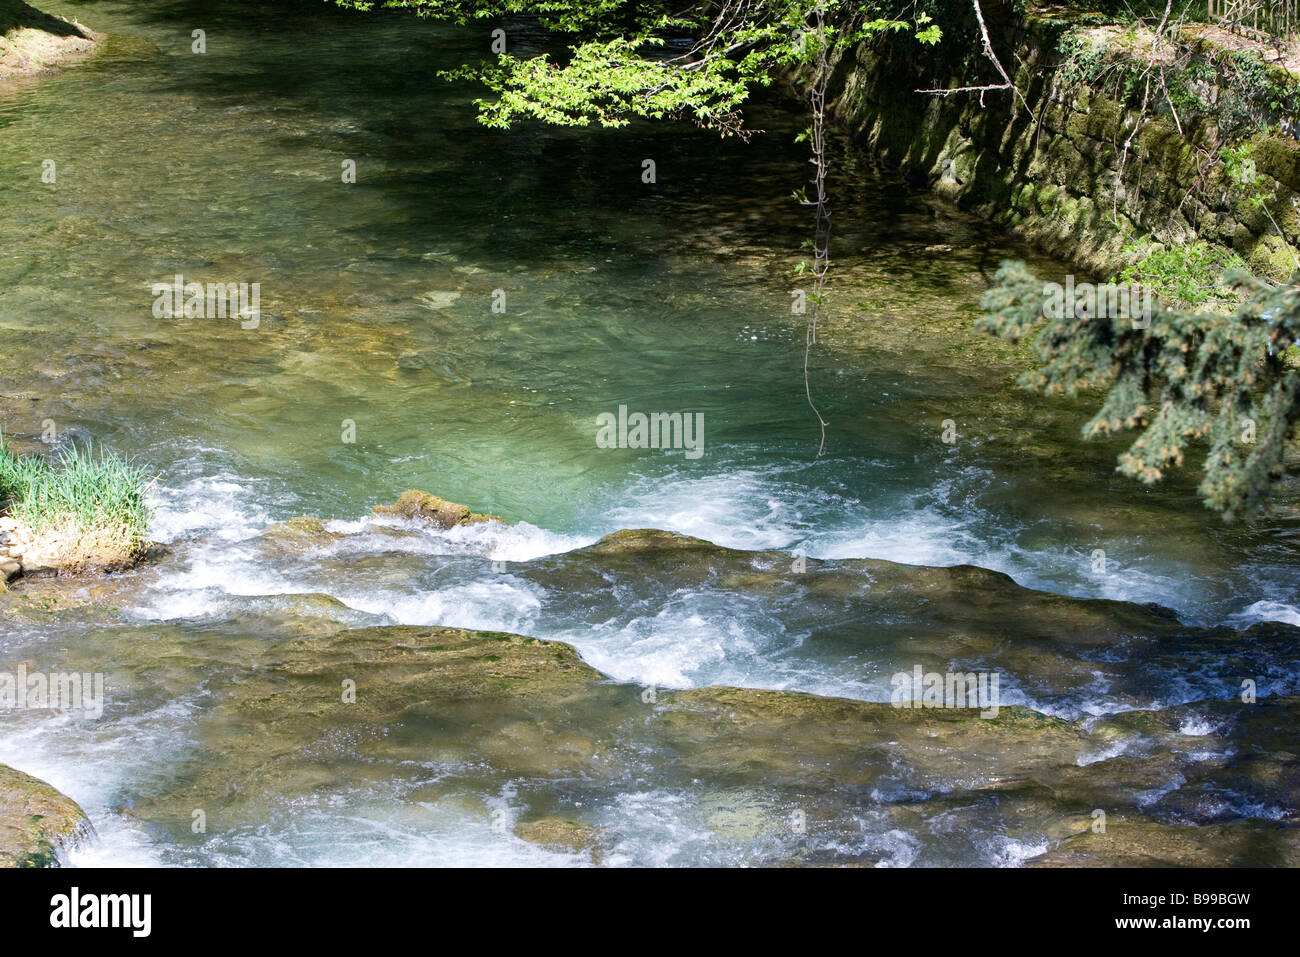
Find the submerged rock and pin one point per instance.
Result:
(438, 299)
(312, 716)
(558, 834)
(861, 621)
(296, 536)
(1134, 841)
(37, 822)
(431, 360)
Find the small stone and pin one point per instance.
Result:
(10, 569)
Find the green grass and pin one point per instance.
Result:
(88, 492)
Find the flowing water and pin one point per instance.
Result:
(379, 364)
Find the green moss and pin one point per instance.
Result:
(1279, 158)
(35, 820)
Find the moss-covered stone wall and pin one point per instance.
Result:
(1052, 166)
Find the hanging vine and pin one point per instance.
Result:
(821, 241)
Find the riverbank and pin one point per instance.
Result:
(33, 42)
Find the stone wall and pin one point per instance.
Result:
(1049, 167)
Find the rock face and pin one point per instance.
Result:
(34, 42)
(26, 553)
(36, 822)
(12, 546)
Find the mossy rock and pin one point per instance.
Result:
(1132, 841)
(650, 540)
(478, 518)
(451, 717)
(738, 735)
(1271, 256)
(531, 711)
(415, 505)
(297, 535)
(37, 822)
(559, 834)
(1279, 157)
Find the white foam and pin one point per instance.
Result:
(1008, 852)
(1261, 611)
(940, 524)
(656, 829)
(520, 542)
(896, 847)
(498, 605)
(93, 762)
(1197, 726)
(222, 505)
(745, 508)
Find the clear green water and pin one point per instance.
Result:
(672, 297)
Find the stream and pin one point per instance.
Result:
(378, 364)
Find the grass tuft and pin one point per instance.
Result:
(90, 495)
